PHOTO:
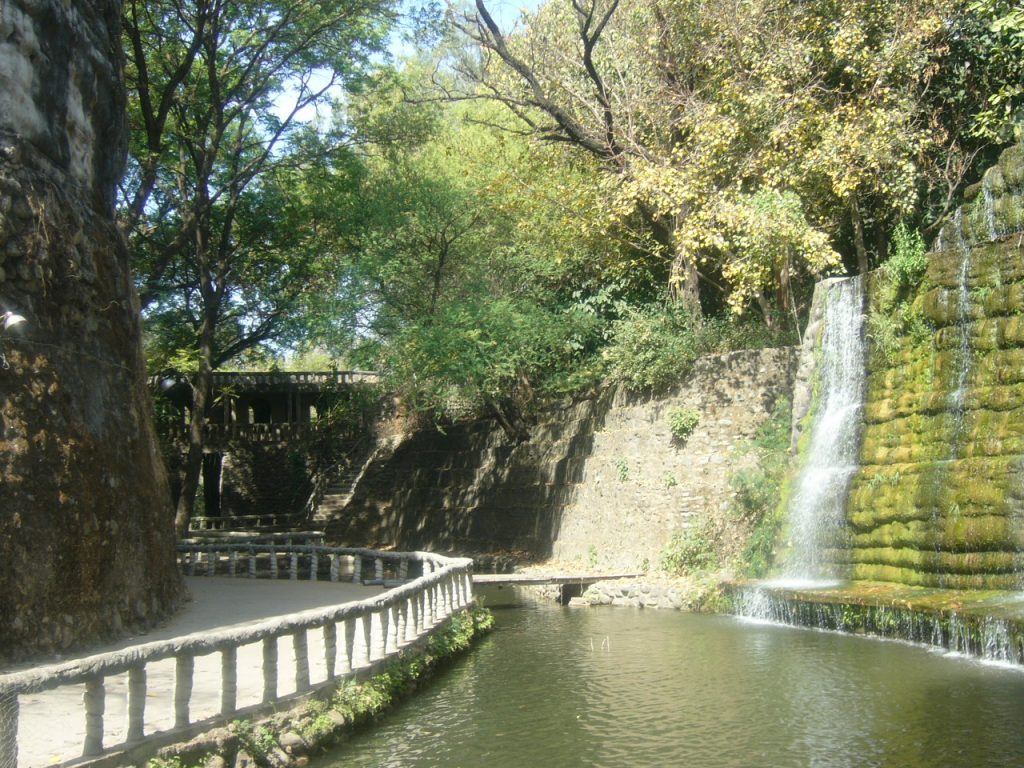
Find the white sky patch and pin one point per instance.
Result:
(507, 13)
(320, 111)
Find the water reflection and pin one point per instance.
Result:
(618, 687)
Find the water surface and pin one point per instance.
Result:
(620, 687)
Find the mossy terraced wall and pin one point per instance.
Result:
(939, 500)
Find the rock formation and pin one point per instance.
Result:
(86, 537)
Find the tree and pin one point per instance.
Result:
(217, 91)
(701, 112)
(463, 267)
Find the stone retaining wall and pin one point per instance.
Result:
(599, 483)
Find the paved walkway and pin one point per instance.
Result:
(52, 724)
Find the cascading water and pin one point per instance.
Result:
(963, 323)
(817, 509)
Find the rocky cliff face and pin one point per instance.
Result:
(939, 500)
(85, 526)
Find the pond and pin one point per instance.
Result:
(553, 686)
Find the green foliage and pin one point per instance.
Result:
(1002, 59)
(752, 146)
(759, 553)
(757, 487)
(908, 260)
(893, 314)
(592, 557)
(654, 347)
(170, 762)
(690, 550)
(682, 422)
(622, 469)
(258, 740)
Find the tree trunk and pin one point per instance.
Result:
(194, 457)
(684, 282)
(202, 385)
(863, 265)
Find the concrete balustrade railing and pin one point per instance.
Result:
(244, 522)
(355, 636)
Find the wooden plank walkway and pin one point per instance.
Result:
(539, 579)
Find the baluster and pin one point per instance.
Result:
(95, 700)
(184, 669)
(415, 625)
(366, 625)
(391, 625)
(252, 562)
(273, 563)
(442, 601)
(293, 567)
(228, 681)
(8, 728)
(378, 569)
(401, 623)
(269, 669)
(330, 648)
(449, 590)
(314, 565)
(428, 607)
(136, 704)
(357, 569)
(380, 636)
(456, 590)
(211, 561)
(438, 593)
(347, 658)
(193, 556)
(301, 647)
(334, 567)
(403, 569)
(232, 562)
(467, 584)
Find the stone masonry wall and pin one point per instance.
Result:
(599, 483)
(640, 487)
(85, 524)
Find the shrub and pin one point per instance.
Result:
(653, 347)
(690, 550)
(682, 422)
(908, 259)
(893, 314)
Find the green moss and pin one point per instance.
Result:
(1011, 165)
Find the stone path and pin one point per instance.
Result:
(52, 724)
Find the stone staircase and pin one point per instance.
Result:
(338, 494)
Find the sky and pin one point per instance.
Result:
(505, 12)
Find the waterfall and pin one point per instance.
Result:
(817, 508)
(990, 211)
(964, 325)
